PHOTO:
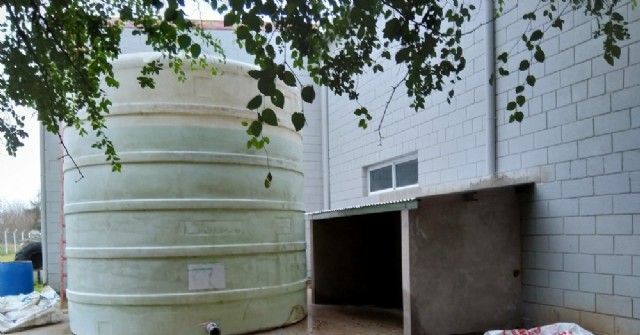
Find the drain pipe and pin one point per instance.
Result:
(490, 66)
(43, 209)
(326, 188)
(213, 329)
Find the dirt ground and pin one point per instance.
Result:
(321, 320)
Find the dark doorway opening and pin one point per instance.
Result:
(357, 260)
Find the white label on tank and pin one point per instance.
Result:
(206, 276)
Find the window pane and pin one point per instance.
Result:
(407, 173)
(380, 179)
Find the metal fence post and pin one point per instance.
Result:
(6, 241)
(15, 243)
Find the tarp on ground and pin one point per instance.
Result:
(22, 311)
(553, 329)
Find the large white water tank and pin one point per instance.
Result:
(186, 234)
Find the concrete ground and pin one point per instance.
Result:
(322, 320)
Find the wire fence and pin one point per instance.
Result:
(10, 239)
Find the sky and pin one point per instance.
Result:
(20, 175)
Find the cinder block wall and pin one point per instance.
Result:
(581, 136)
(52, 207)
(579, 143)
(448, 139)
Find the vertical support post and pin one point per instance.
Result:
(15, 242)
(313, 272)
(6, 241)
(63, 238)
(406, 274)
(490, 65)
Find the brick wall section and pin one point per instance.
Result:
(580, 143)
(53, 205)
(448, 139)
(581, 242)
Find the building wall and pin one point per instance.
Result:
(448, 139)
(581, 140)
(464, 263)
(51, 207)
(579, 143)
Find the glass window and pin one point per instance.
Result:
(380, 179)
(407, 173)
(393, 175)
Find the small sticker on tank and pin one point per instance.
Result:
(206, 276)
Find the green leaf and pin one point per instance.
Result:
(126, 13)
(195, 50)
(230, 19)
(519, 116)
(170, 14)
(503, 72)
(520, 100)
(269, 117)
(557, 23)
(255, 129)
(255, 74)
(363, 124)
(512, 105)
(519, 89)
(289, 79)
(184, 41)
(267, 180)
(504, 57)
(531, 80)
(308, 94)
(277, 98)
(111, 82)
(539, 55)
(266, 86)
(403, 55)
(524, 65)
(536, 35)
(255, 103)
(298, 120)
(243, 32)
(268, 27)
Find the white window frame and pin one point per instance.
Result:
(393, 164)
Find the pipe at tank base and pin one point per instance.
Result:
(213, 329)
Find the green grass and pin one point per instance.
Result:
(7, 257)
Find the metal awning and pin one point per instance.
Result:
(380, 207)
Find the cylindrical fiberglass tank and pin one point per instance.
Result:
(186, 234)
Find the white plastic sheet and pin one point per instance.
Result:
(29, 310)
(553, 329)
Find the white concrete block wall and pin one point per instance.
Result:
(581, 232)
(52, 214)
(579, 143)
(448, 139)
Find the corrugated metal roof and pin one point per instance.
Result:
(379, 207)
